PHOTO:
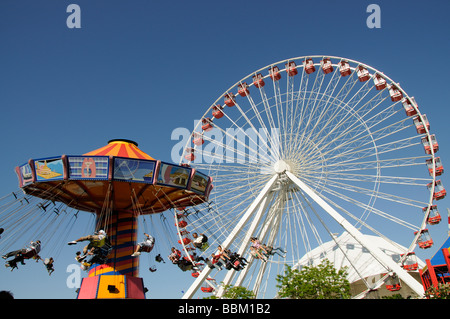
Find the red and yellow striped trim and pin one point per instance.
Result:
(120, 148)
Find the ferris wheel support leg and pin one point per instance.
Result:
(255, 222)
(267, 224)
(271, 228)
(353, 231)
(244, 219)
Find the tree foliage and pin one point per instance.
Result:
(441, 292)
(320, 282)
(235, 292)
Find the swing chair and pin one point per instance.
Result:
(50, 220)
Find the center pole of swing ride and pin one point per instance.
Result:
(119, 276)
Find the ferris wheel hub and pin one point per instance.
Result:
(281, 166)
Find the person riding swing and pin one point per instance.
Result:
(32, 251)
(145, 246)
(97, 240)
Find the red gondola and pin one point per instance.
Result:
(291, 68)
(421, 123)
(229, 99)
(186, 240)
(439, 190)
(258, 80)
(433, 217)
(396, 94)
(217, 111)
(437, 165)
(182, 224)
(428, 146)
(380, 82)
(207, 289)
(189, 154)
(410, 262)
(198, 139)
(409, 106)
(243, 89)
(206, 124)
(309, 66)
(326, 65)
(344, 68)
(393, 283)
(424, 241)
(363, 74)
(274, 73)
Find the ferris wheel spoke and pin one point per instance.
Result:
(238, 191)
(367, 207)
(311, 105)
(304, 208)
(366, 108)
(266, 138)
(326, 102)
(267, 110)
(278, 105)
(368, 192)
(219, 147)
(364, 178)
(240, 135)
(345, 122)
(354, 133)
(388, 147)
(382, 164)
(341, 95)
(297, 120)
(344, 111)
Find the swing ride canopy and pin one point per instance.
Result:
(118, 176)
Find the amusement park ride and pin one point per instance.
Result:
(117, 183)
(298, 151)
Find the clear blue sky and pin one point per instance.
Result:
(139, 69)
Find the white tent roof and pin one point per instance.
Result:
(363, 261)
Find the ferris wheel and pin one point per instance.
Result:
(302, 150)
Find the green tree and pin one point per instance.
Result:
(235, 292)
(320, 282)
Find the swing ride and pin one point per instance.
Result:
(117, 183)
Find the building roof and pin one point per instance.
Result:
(438, 258)
(363, 261)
